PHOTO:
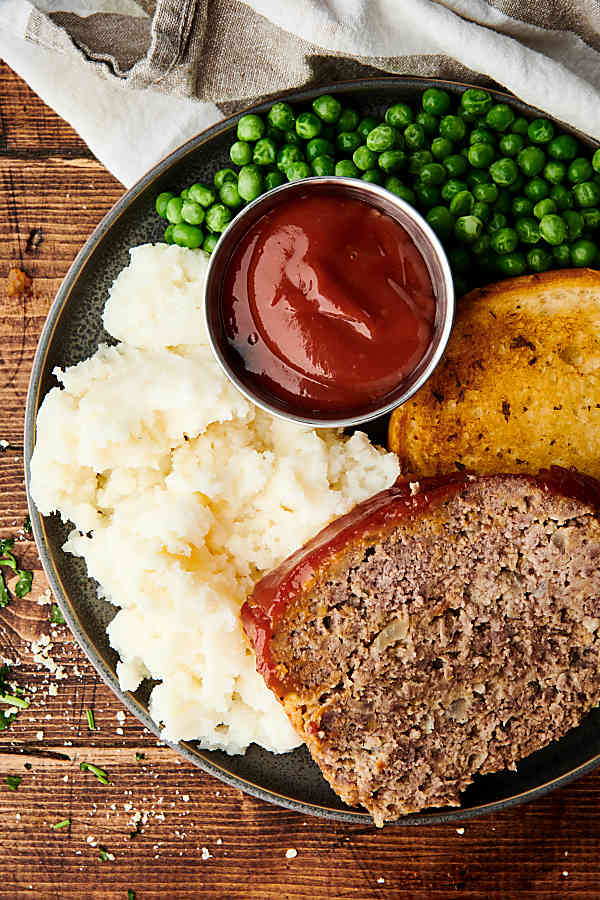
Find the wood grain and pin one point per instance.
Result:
(48, 180)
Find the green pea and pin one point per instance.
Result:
(468, 228)
(433, 173)
(453, 128)
(503, 203)
(481, 210)
(391, 161)
(462, 203)
(189, 236)
(161, 203)
(230, 196)
(500, 117)
(222, 176)
(596, 160)
(173, 210)
(366, 125)
(531, 161)
(428, 122)
(539, 260)
(504, 171)
(521, 206)
(348, 120)
(544, 207)
(250, 183)
(440, 220)
(427, 194)
(240, 153)
(273, 180)
(481, 155)
(511, 264)
(327, 108)
(364, 159)
(250, 128)
(562, 255)
(459, 260)
(349, 141)
(537, 189)
(591, 218)
(296, 171)
(583, 253)
(290, 137)
(393, 184)
(168, 235)
(504, 240)
(452, 188)
(563, 147)
(287, 155)
(511, 144)
(435, 101)
(346, 169)
(383, 138)
(319, 147)
(414, 137)
(482, 246)
(417, 160)
(192, 212)
(497, 222)
(399, 115)
(540, 131)
(323, 165)
(520, 126)
(562, 196)
(553, 229)
(373, 176)
(209, 243)
(478, 176)
(482, 136)
(265, 152)
(441, 148)
(281, 115)
(586, 194)
(555, 172)
(574, 222)
(486, 192)
(476, 102)
(528, 230)
(308, 126)
(455, 165)
(202, 194)
(218, 217)
(184, 194)
(579, 170)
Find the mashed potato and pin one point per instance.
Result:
(182, 494)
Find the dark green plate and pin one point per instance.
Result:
(73, 331)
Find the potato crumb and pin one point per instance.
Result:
(291, 853)
(205, 854)
(18, 282)
(39, 735)
(460, 830)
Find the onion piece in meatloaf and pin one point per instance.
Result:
(438, 630)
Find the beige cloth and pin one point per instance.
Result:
(230, 53)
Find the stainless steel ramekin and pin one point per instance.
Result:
(382, 199)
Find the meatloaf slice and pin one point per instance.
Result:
(439, 630)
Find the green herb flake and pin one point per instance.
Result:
(105, 856)
(56, 617)
(6, 545)
(95, 770)
(4, 595)
(64, 824)
(5, 719)
(24, 582)
(130, 895)
(13, 700)
(90, 720)
(24, 576)
(139, 757)
(13, 781)
(27, 526)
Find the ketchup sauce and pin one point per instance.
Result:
(327, 304)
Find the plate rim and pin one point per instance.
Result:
(197, 756)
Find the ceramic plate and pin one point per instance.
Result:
(72, 333)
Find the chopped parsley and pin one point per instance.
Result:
(13, 781)
(27, 526)
(95, 770)
(56, 617)
(130, 895)
(64, 824)
(90, 719)
(105, 856)
(24, 576)
(139, 757)
(13, 697)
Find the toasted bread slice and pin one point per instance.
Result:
(519, 386)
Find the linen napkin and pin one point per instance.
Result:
(138, 77)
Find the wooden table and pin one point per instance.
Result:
(173, 831)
